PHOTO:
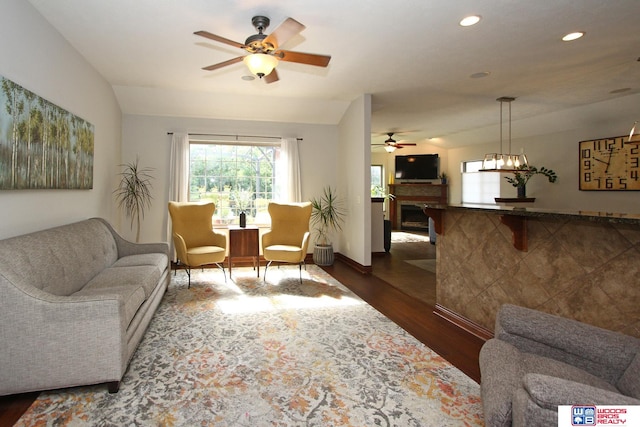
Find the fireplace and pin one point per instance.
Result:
(413, 218)
(413, 197)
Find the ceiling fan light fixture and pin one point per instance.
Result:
(260, 64)
(390, 148)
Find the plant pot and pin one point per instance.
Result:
(522, 192)
(323, 255)
(243, 219)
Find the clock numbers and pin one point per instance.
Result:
(609, 164)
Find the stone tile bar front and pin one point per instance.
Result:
(581, 265)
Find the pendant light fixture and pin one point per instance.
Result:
(501, 161)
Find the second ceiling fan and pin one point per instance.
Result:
(391, 144)
(264, 50)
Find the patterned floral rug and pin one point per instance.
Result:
(275, 353)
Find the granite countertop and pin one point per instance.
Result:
(607, 217)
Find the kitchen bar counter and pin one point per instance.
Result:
(604, 217)
(577, 264)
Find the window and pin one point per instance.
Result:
(377, 190)
(479, 187)
(236, 177)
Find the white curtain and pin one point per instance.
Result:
(288, 176)
(178, 177)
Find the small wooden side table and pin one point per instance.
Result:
(244, 242)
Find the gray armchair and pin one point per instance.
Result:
(539, 361)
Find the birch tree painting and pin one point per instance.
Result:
(42, 146)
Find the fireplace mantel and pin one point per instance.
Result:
(414, 194)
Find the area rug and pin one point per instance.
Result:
(276, 353)
(404, 237)
(425, 264)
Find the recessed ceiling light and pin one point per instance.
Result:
(480, 75)
(248, 78)
(573, 36)
(470, 20)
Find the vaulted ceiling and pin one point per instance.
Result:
(419, 64)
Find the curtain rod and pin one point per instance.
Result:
(237, 136)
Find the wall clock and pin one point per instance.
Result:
(609, 164)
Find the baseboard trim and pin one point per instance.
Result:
(364, 269)
(462, 322)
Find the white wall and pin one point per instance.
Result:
(355, 180)
(35, 56)
(556, 147)
(146, 137)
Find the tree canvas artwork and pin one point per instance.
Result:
(42, 146)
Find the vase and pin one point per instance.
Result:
(323, 255)
(243, 219)
(522, 192)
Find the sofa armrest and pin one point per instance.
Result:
(549, 392)
(51, 341)
(537, 401)
(126, 248)
(602, 352)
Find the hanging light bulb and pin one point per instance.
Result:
(504, 162)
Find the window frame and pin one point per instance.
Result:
(229, 203)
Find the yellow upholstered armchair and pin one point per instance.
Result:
(196, 243)
(288, 239)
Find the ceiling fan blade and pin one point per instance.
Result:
(220, 39)
(303, 58)
(285, 31)
(223, 64)
(271, 77)
(406, 144)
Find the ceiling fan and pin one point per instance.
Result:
(264, 50)
(391, 144)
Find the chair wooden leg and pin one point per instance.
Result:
(189, 276)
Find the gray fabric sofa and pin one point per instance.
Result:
(538, 361)
(75, 301)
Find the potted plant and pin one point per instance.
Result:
(134, 192)
(326, 216)
(520, 178)
(443, 178)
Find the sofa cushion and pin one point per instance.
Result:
(59, 260)
(132, 297)
(503, 371)
(160, 261)
(146, 276)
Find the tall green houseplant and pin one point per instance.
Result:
(134, 192)
(327, 217)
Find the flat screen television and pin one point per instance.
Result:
(418, 166)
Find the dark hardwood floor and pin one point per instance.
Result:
(415, 316)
